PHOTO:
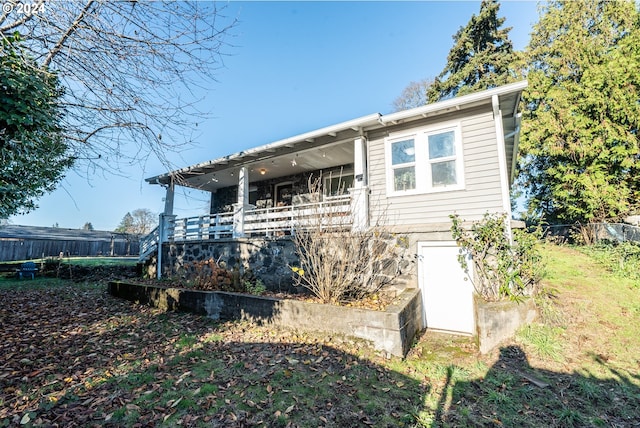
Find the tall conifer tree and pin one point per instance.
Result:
(580, 143)
(482, 57)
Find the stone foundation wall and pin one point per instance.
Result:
(266, 259)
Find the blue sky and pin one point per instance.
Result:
(292, 67)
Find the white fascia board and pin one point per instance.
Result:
(453, 103)
(360, 122)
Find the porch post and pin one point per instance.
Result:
(241, 205)
(168, 199)
(166, 224)
(360, 190)
(161, 239)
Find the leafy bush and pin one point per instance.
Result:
(501, 269)
(254, 287)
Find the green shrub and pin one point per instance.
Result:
(501, 269)
(254, 287)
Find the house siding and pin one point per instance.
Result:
(482, 191)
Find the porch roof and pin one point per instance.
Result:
(333, 145)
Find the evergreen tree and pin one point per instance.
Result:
(482, 57)
(126, 224)
(580, 141)
(88, 226)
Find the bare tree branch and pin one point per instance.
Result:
(132, 72)
(72, 28)
(338, 264)
(413, 95)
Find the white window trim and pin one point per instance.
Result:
(390, 167)
(422, 163)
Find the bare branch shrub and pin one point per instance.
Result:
(584, 234)
(338, 264)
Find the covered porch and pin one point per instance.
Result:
(334, 212)
(265, 192)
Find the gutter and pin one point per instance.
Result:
(516, 146)
(502, 162)
(454, 103)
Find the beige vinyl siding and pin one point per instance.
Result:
(482, 192)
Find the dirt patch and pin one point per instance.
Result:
(377, 301)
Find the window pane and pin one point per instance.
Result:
(403, 152)
(338, 185)
(441, 145)
(443, 173)
(404, 178)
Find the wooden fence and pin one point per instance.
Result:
(20, 249)
(22, 243)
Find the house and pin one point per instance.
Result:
(405, 171)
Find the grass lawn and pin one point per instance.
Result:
(101, 261)
(84, 261)
(75, 356)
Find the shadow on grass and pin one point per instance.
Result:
(512, 393)
(238, 384)
(75, 356)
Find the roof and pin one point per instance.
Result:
(202, 174)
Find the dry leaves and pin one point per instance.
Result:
(74, 356)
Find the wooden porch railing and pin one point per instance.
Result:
(149, 243)
(334, 212)
(214, 226)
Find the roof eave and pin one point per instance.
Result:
(372, 121)
(355, 124)
(453, 103)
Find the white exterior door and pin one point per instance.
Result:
(447, 296)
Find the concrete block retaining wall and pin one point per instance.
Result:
(498, 321)
(391, 331)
